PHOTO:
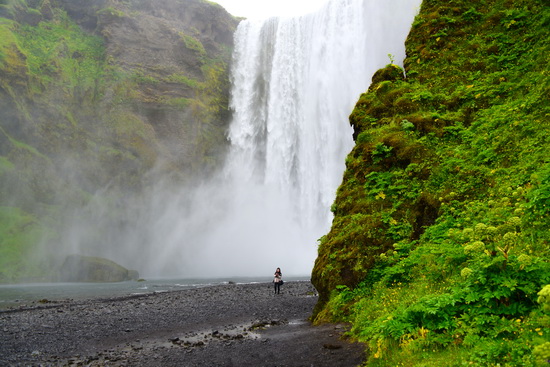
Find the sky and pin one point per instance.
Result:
(254, 9)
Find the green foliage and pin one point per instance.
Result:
(380, 152)
(440, 233)
(19, 231)
(212, 110)
(9, 59)
(141, 77)
(60, 52)
(183, 79)
(407, 125)
(544, 298)
(5, 165)
(8, 8)
(194, 44)
(110, 11)
(181, 103)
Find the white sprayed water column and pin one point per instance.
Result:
(295, 82)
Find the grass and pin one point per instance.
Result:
(19, 232)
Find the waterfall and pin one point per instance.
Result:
(294, 83)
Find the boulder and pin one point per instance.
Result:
(78, 268)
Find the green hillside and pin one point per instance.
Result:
(439, 248)
(94, 96)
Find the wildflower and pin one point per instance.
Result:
(544, 298)
(481, 228)
(466, 272)
(510, 238)
(468, 232)
(492, 230)
(474, 247)
(525, 259)
(542, 353)
(514, 221)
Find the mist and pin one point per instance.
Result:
(294, 83)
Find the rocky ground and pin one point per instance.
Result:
(227, 325)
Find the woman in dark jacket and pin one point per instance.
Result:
(278, 280)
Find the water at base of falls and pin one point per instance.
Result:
(21, 295)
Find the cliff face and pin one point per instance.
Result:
(440, 241)
(96, 94)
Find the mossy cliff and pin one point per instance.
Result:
(440, 241)
(96, 94)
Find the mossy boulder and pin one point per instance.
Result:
(391, 72)
(78, 268)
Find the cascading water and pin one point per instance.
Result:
(295, 82)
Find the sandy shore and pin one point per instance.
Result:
(227, 325)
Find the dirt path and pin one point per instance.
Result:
(228, 325)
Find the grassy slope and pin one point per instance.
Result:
(440, 241)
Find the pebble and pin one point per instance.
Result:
(149, 329)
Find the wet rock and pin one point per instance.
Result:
(332, 346)
(78, 268)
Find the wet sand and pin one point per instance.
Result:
(226, 325)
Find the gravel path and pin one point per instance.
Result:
(226, 325)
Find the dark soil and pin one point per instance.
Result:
(227, 325)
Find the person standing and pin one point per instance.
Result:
(278, 280)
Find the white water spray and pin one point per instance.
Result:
(295, 82)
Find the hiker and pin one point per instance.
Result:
(278, 281)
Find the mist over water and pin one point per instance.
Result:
(294, 83)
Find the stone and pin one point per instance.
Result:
(78, 268)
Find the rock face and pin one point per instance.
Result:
(182, 48)
(77, 268)
(153, 78)
(95, 95)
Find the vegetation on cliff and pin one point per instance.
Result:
(94, 95)
(439, 248)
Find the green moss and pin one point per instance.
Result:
(5, 165)
(6, 36)
(11, 60)
(212, 109)
(181, 103)
(60, 52)
(9, 8)
(135, 137)
(19, 232)
(112, 12)
(183, 79)
(192, 43)
(25, 148)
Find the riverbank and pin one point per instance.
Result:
(224, 325)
